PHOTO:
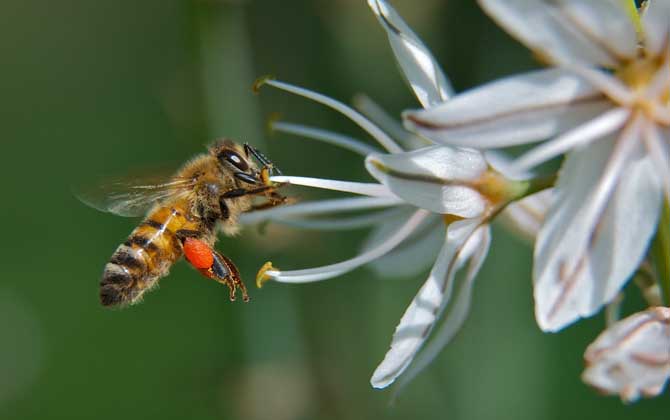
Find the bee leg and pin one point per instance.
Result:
(274, 200)
(214, 266)
(239, 192)
(225, 272)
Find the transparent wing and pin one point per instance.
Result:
(132, 196)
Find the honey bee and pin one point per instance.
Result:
(185, 213)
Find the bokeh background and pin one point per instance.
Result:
(105, 87)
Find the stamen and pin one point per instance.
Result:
(320, 207)
(362, 188)
(342, 223)
(359, 119)
(579, 136)
(334, 270)
(325, 136)
(379, 116)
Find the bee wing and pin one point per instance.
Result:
(132, 197)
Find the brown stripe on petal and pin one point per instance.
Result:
(585, 100)
(651, 360)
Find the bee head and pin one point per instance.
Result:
(230, 155)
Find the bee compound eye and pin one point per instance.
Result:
(234, 159)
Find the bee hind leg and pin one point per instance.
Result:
(224, 271)
(215, 266)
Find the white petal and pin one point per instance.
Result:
(421, 248)
(333, 270)
(418, 65)
(422, 313)
(433, 178)
(577, 137)
(659, 151)
(515, 110)
(363, 188)
(456, 313)
(569, 31)
(656, 23)
(605, 213)
(525, 217)
(632, 358)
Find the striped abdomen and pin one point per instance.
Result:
(145, 257)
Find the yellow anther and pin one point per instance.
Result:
(265, 176)
(258, 84)
(262, 276)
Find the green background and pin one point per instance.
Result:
(91, 88)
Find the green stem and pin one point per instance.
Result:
(540, 183)
(660, 252)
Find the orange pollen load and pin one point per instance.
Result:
(198, 253)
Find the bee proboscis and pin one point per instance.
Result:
(183, 216)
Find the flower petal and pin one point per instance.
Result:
(569, 31)
(597, 232)
(656, 23)
(418, 65)
(632, 357)
(434, 178)
(457, 312)
(659, 151)
(515, 110)
(525, 216)
(422, 313)
(421, 248)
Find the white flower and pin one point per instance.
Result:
(632, 357)
(431, 186)
(605, 102)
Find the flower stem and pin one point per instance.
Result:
(660, 252)
(539, 183)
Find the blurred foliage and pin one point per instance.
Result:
(99, 87)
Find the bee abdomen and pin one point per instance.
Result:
(138, 263)
(121, 276)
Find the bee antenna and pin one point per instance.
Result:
(248, 149)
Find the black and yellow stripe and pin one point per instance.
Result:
(145, 257)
